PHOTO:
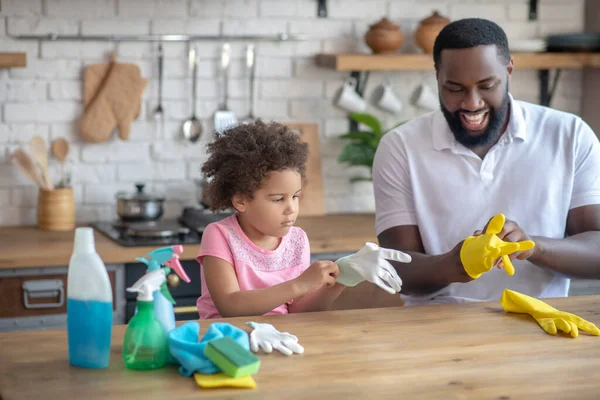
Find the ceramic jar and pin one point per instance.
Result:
(428, 30)
(384, 37)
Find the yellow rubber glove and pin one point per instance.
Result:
(478, 253)
(222, 380)
(549, 318)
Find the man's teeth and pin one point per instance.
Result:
(475, 118)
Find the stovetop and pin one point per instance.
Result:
(187, 229)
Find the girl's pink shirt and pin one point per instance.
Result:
(254, 267)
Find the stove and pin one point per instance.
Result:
(187, 229)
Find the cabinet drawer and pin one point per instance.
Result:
(34, 295)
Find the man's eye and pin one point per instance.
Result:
(454, 90)
(489, 87)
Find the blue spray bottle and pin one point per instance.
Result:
(163, 301)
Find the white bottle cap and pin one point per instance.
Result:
(84, 241)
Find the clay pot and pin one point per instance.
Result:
(428, 30)
(384, 37)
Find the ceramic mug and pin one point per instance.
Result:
(347, 99)
(385, 98)
(425, 97)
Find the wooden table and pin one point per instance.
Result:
(474, 351)
(28, 247)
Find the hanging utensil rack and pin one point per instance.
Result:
(282, 37)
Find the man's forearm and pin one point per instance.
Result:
(576, 256)
(427, 274)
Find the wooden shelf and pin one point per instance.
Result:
(13, 60)
(424, 62)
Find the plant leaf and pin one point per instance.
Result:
(369, 120)
(357, 154)
(364, 137)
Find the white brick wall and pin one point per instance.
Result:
(45, 97)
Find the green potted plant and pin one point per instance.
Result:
(360, 152)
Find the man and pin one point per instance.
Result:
(441, 177)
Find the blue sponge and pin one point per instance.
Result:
(185, 347)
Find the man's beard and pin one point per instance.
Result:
(496, 117)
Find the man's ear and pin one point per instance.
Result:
(240, 203)
(509, 67)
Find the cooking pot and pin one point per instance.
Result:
(139, 206)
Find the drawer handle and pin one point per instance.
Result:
(185, 309)
(43, 288)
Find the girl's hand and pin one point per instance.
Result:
(319, 274)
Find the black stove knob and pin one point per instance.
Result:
(183, 232)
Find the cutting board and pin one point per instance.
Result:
(311, 198)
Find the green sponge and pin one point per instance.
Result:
(233, 359)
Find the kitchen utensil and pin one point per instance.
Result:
(28, 167)
(224, 118)
(139, 206)
(192, 128)
(39, 152)
(56, 210)
(251, 65)
(60, 150)
(311, 197)
(158, 111)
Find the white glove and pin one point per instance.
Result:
(268, 338)
(370, 264)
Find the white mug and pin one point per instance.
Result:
(347, 99)
(425, 97)
(385, 98)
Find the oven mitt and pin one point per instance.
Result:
(268, 338)
(93, 77)
(222, 380)
(115, 104)
(189, 352)
(478, 253)
(549, 318)
(370, 264)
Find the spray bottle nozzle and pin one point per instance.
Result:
(147, 284)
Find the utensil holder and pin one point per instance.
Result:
(56, 210)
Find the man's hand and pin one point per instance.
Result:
(510, 232)
(479, 253)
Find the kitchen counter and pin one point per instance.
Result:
(28, 247)
(471, 351)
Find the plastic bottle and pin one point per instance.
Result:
(145, 345)
(89, 304)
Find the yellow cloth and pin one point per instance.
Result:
(478, 253)
(549, 318)
(222, 380)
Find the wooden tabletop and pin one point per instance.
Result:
(472, 351)
(23, 247)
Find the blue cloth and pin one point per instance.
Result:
(185, 347)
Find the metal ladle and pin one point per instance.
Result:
(192, 128)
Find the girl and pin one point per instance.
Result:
(256, 262)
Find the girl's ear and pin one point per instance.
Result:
(239, 203)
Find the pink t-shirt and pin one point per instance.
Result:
(255, 268)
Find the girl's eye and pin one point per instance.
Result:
(295, 196)
(277, 200)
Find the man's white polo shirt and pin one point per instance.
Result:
(546, 163)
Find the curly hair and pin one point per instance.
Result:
(471, 32)
(241, 158)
